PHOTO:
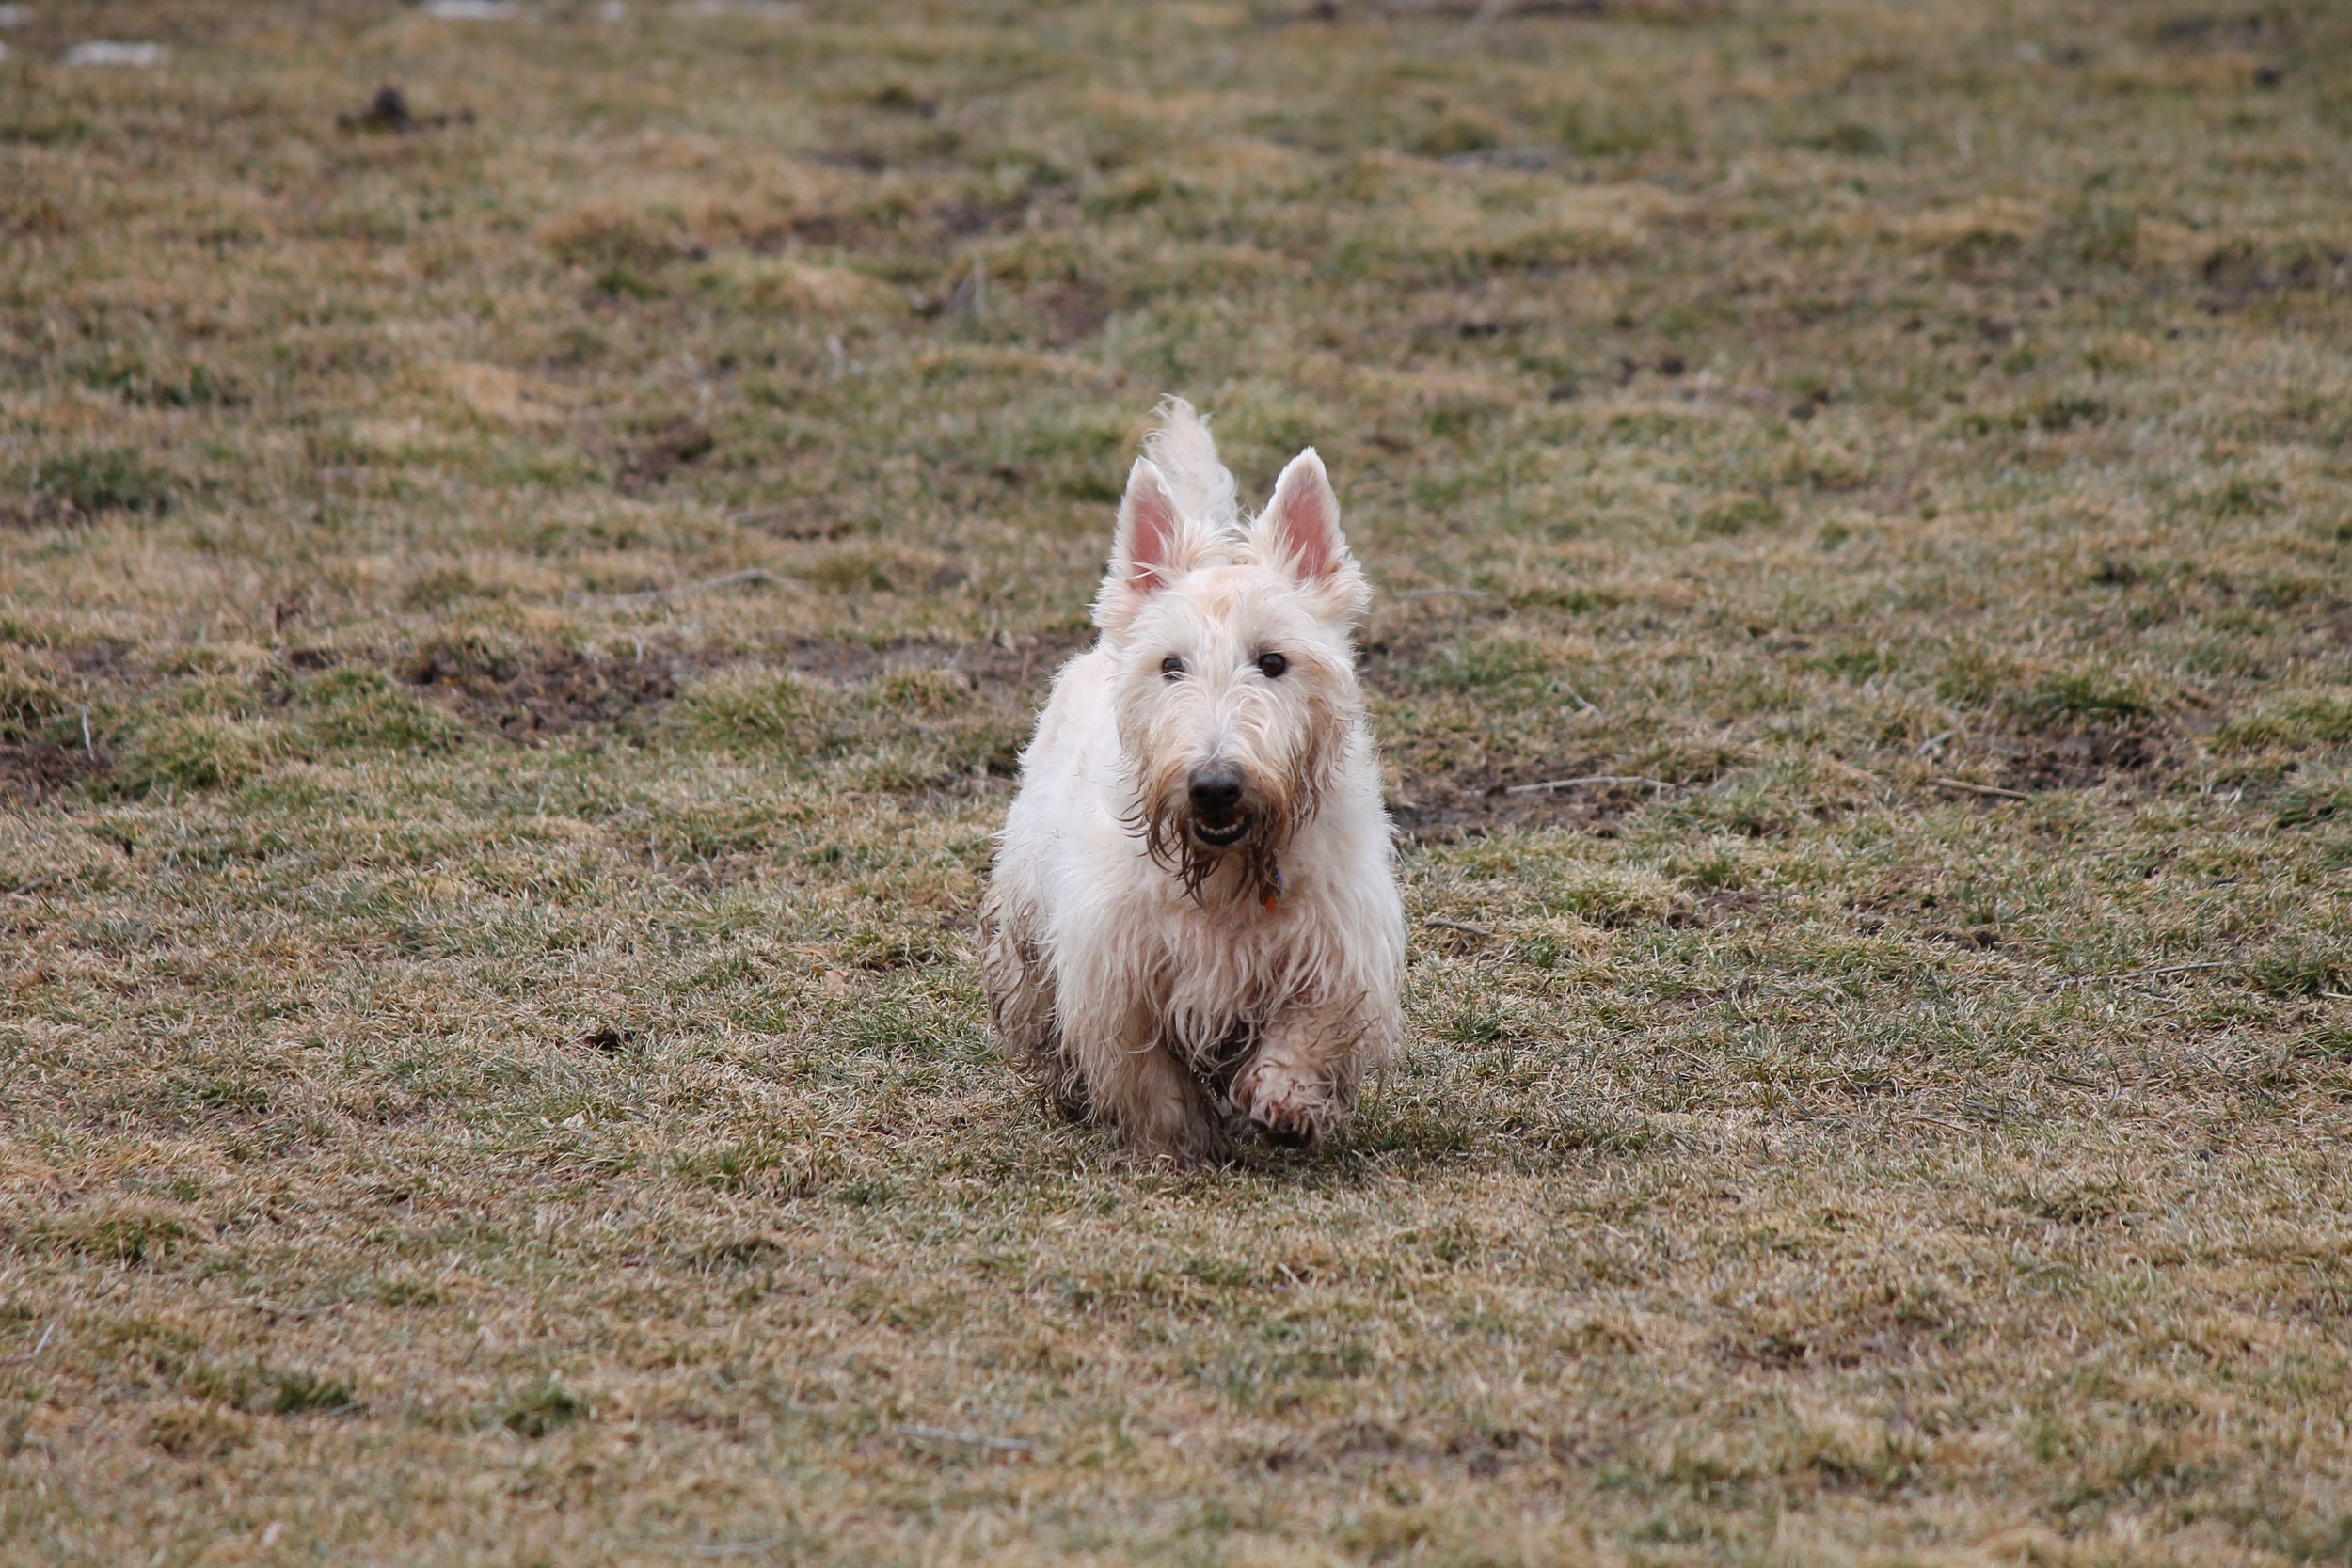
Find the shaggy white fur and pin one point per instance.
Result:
(1194, 916)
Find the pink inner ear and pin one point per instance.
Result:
(1151, 537)
(1309, 530)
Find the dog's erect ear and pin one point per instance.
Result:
(1302, 523)
(1300, 528)
(1146, 552)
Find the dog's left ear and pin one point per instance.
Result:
(1300, 528)
(1150, 549)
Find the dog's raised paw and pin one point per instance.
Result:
(1286, 1106)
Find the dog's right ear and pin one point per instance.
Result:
(1147, 553)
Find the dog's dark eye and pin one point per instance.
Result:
(1171, 667)
(1271, 665)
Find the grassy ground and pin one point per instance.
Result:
(491, 1060)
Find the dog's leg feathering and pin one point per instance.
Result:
(1020, 988)
(1141, 1090)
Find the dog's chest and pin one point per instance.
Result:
(1234, 959)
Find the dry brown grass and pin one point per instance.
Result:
(491, 1065)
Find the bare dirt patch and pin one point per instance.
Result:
(2141, 753)
(1367, 1449)
(1447, 808)
(2088, 757)
(389, 112)
(544, 694)
(37, 770)
(801, 522)
(1072, 312)
(663, 453)
(554, 693)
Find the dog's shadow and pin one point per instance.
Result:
(1377, 1148)
(1402, 1139)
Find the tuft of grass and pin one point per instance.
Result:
(760, 711)
(200, 751)
(94, 482)
(362, 708)
(128, 1239)
(2072, 697)
(30, 700)
(304, 1393)
(2304, 721)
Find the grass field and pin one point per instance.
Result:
(518, 608)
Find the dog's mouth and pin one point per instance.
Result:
(1221, 835)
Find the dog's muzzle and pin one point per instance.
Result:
(1218, 818)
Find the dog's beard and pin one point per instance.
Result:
(1166, 827)
(1163, 818)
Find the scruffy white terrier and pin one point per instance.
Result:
(1194, 915)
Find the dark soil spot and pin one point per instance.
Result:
(389, 111)
(715, 875)
(1716, 907)
(2331, 622)
(1778, 1352)
(827, 231)
(748, 1252)
(662, 454)
(1072, 311)
(799, 523)
(2239, 271)
(560, 692)
(1877, 1336)
(898, 98)
(1366, 1448)
(858, 160)
(2079, 758)
(36, 770)
(963, 220)
(1365, 1441)
(1449, 808)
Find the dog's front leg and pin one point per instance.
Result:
(1136, 1086)
(1299, 1086)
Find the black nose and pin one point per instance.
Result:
(1216, 793)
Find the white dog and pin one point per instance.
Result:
(1195, 901)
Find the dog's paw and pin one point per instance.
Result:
(1288, 1106)
(1182, 1137)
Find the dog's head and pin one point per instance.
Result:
(1233, 642)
